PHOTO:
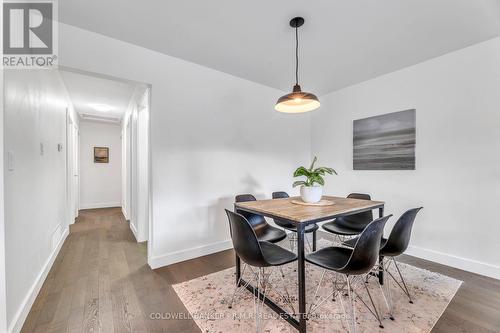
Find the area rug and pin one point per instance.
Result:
(206, 298)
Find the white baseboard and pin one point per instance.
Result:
(138, 239)
(194, 252)
(124, 212)
(466, 264)
(134, 230)
(21, 314)
(100, 205)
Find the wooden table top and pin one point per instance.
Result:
(285, 209)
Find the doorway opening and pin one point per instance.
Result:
(108, 138)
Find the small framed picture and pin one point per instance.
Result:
(101, 155)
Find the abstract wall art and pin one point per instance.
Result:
(101, 155)
(385, 142)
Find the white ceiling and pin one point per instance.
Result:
(87, 91)
(342, 42)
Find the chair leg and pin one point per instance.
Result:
(373, 309)
(336, 290)
(308, 243)
(388, 298)
(404, 288)
(407, 292)
(256, 304)
(289, 299)
(376, 314)
(260, 305)
(316, 293)
(293, 240)
(353, 306)
(350, 283)
(237, 287)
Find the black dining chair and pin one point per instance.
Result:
(291, 227)
(354, 265)
(395, 245)
(351, 225)
(263, 230)
(258, 254)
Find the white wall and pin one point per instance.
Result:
(143, 169)
(457, 153)
(213, 135)
(3, 297)
(35, 187)
(135, 164)
(100, 183)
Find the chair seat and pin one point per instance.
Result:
(351, 242)
(309, 228)
(276, 255)
(332, 258)
(284, 224)
(270, 234)
(339, 229)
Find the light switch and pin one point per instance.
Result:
(41, 148)
(10, 160)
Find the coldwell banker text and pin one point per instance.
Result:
(28, 38)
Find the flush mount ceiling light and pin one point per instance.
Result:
(297, 101)
(101, 107)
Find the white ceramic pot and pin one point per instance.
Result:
(311, 194)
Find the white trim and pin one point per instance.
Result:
(134, 229)
(100, 205)
(466, 264)
(194, 252)
(124, 212)
(21, 314)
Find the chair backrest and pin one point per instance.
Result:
(399, 238)
(280, 195)
(366, 251)
(356, 221)
(280, 222)
(245, 241)
(256, 221)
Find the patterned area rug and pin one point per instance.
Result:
(207, 297)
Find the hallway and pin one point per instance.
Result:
(100, 282)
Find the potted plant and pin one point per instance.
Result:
(309, 192)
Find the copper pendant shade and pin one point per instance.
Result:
(297, 101)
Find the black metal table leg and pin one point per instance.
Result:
(302, 277)
(238, 270)
(238, 261)
(381, 258)
(314, 240)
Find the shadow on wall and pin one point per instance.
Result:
(216, 213)
(250, 185)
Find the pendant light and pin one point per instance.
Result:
(297, 101)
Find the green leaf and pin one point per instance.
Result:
(313, 176)
(323, 170)
(312, 164)
(318, 179)
(301, 171)
(298, 182)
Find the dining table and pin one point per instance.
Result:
(301, 215)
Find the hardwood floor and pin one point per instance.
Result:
(100, 282)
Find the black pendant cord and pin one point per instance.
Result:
(296, 55)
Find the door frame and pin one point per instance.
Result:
(148, 87)
(72, 167)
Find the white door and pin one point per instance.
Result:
(76, 169)
(72, 169)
